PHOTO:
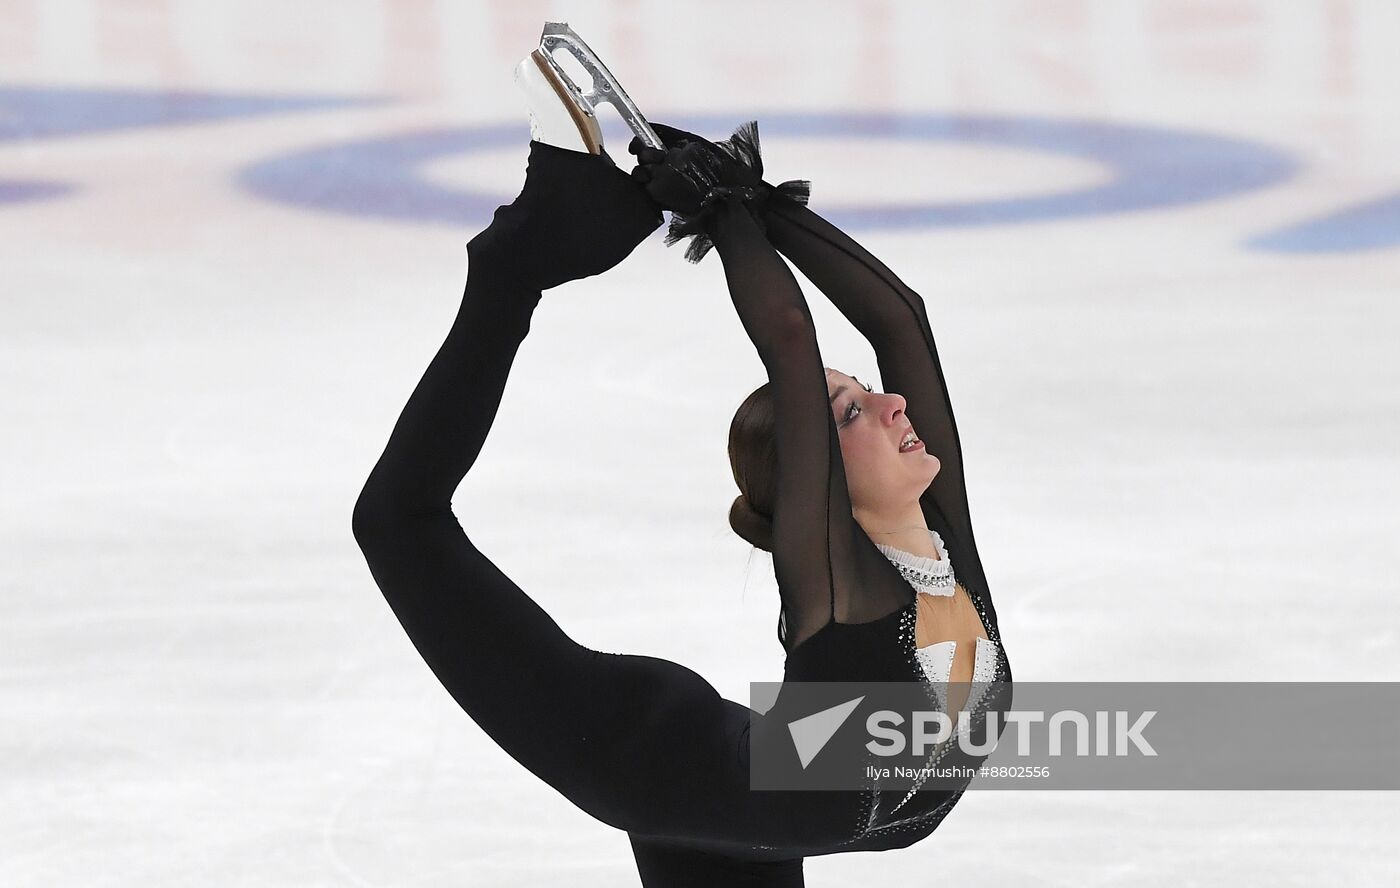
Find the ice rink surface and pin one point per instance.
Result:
(1160, 246)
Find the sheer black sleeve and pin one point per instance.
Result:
(892, 317)
(827, 568)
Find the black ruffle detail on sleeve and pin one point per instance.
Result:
(742, 148)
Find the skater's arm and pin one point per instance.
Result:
(893, 318)
(828, 570)
(814, 533)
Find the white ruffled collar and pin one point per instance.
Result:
(932, 575)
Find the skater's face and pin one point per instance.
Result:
(880, 474)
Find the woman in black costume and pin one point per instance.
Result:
(644, 744)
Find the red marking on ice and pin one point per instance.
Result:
(1069, 76)
(1202, 15)
(875, 82)
(413, 48)
(1341, 53)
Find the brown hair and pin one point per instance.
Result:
(753, 457)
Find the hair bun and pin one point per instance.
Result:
(755, 527)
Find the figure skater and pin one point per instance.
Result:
(858, 494)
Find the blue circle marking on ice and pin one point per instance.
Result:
(1373, 225)
(380, 177)
(31, 114)
(1150, 167)
(12, 191)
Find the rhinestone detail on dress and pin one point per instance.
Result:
(927, 576)
(936, 577)
(932, 575)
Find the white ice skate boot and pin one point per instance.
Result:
(562, 114)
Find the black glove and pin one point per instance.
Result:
(693, 173)
(577, 216)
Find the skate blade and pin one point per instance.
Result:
(559, 114)
(605, 87)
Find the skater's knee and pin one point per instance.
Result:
(369, 521)
(382, 515)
